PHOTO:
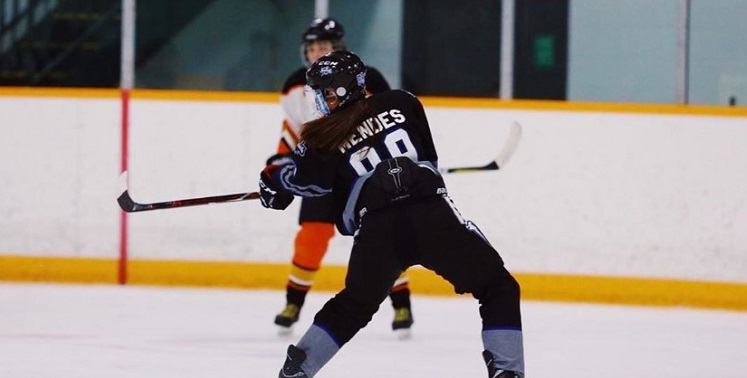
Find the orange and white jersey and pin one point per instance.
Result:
(295, 111)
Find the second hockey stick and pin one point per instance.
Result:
(509, 147)
(130, 206)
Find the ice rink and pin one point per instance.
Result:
(96, 331)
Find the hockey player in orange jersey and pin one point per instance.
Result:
(316, 217)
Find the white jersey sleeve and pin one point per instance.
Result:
(295, 112)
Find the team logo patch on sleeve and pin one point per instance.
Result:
(300, 149)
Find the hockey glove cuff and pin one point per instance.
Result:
(271, 195)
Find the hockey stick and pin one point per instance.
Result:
(514, 135)
(130, 206)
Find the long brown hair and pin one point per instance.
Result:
(327, 134)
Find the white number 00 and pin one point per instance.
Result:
(397, 143)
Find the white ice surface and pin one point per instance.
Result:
(81, 331)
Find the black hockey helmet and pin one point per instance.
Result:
(341, 72)
(323, 29)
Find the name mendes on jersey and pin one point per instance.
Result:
(373, 126)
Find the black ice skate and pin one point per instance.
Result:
(402, 323)
(292, 365)
(494, 372)
(287, 317)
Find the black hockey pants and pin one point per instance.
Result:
(429, 232)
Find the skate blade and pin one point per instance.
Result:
(285, 331)
(403, 334)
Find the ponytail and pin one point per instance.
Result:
(327, 134)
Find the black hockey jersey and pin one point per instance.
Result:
(398, 127)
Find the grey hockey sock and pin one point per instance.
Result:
(507, 347)
(319, 348)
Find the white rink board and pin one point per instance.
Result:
(624, 194)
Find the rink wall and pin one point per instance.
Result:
(612, 203)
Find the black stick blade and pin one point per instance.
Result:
(124, 199)
(126, 203)
(487, 167)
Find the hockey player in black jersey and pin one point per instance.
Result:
(376, 159)
(317, 216)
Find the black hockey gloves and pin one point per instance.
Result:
(271, 194)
